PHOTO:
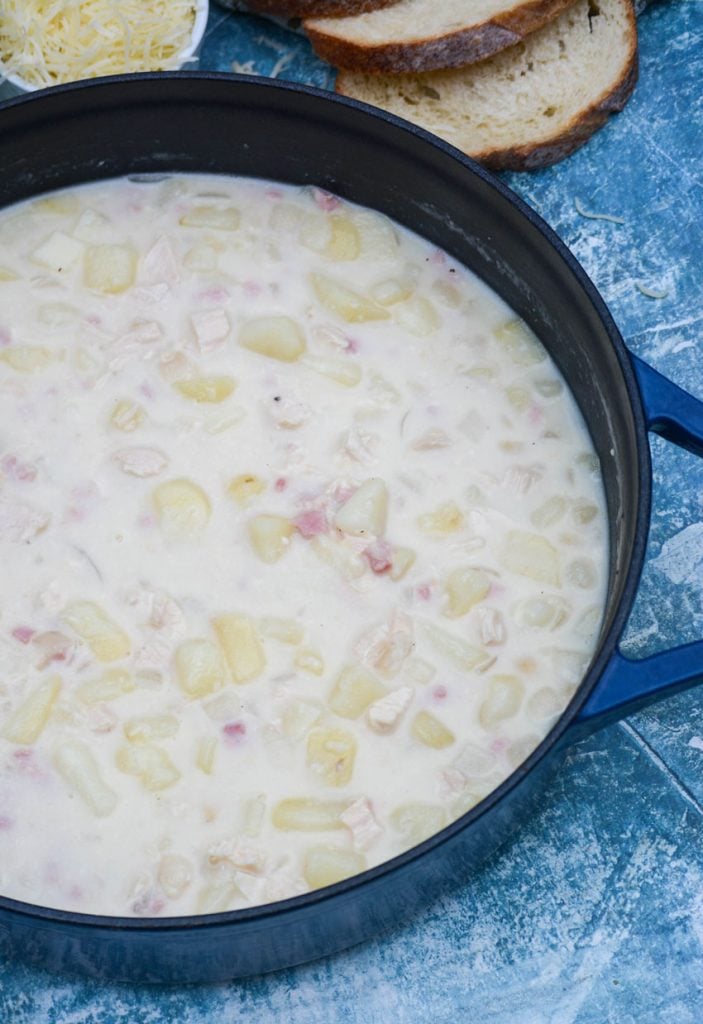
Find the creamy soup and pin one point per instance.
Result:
(303, 544)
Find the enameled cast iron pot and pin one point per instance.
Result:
(239, 125)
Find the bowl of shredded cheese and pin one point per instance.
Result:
(49, 42)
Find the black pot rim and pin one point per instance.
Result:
(609, 643)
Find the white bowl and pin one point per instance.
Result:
(14, 85)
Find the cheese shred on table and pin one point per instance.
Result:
(46, 42)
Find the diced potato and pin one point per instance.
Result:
(59, 252)
(584, 512)
(109, 268)
(418, 821)
(309, 661)
(182, 506)
(146, 728)
(201, 258)
(285, 217)
(582, 573)
(92, 227)
(345, 303)
(549, 512)
(446, 518)
(379, 240)
(465, 588)
(174, 875)
(417, 315)
(253, 812)
(344, 241)
(520, 343)
(543, 611)
(447, 294)
(549, 387)
(392, 290)
(456, 650)
(112, 684)
(217, 896)
(353, 691)
(306, 814)
(331, 754)
(338, 554)
(385, 714)
(365, 513)
(299, 717)
(403, 560)
(270, 536)
(325, 865)
(544, 705)
(428, 729)
(503, 699)
(29, 719)
(205, 754)
(220, 218)
(7, 275)
(277, 337)
(206, 389)
(245, 488)
(105, 638)
(127, 416)
(62, 204)
(417, 670)
(27, 358)
(531, 555)
(76, 763)
(151, 765)
(286, 631)
(341, 371)
(518, 397)
(241, 646)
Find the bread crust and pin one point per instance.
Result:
(452, 50)
(545, 152)
(317, 8)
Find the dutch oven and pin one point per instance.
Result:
(157, 124)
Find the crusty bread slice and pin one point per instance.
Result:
(528, 106)
(423, 35)
(317, 8)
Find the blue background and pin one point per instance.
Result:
(593, 914)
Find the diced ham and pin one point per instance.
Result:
(288, 412)
(360, 821)
(21, 523)
(160, 264)
(491, 626)
(311, 523)
(385, 714)
(325, 200)
(141, 462)
(22, 472)
(23, 633)
(211, 329)
(53, 646)
(386, 647)
(379, 555)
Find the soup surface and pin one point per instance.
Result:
(303, 544)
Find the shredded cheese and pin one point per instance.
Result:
(596, 216)
(651, 293)
(45, 42)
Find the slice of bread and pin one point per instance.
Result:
(528, 106)
(316, 8)
(423, 35)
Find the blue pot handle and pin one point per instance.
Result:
(628, 684)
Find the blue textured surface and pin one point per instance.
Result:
(594, 913)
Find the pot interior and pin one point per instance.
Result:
(216, 124)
